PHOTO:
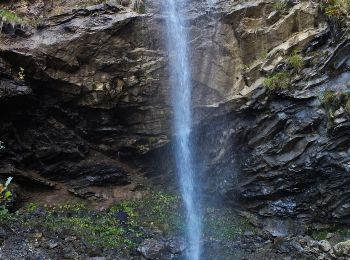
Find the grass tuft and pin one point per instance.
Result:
(280, 6)
(296, 61)
(279, 80)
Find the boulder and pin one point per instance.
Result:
(176, 245)
(342, 248)
(151, 249)
(324, 245)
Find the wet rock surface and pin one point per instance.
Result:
(284, 152)
(108, 92)
(290, 165)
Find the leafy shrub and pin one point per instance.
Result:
(279, 80)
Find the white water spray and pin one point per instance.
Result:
(182, 120)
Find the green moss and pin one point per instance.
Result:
(279, 80)
(341, 231)
(117, 227)
(99, 228)
(7, 16)
(296, 61)
(320, 234)
(121, 226)
(161, 210)
(224, 224)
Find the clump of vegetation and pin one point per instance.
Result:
(279, 80)
(280, 6)
(10, 17)
(347, 106)
(296, 61)
(283, 79)
(334, 100)
(337, 12)
(5, 197)
(336, 8)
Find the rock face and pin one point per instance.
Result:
(86, 96)
(290, 157)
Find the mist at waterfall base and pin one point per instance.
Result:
(182, 121)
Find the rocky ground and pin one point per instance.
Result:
(151, 228)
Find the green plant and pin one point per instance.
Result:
(336, 8)
(162, 211)
(347, 106)
(5, 195)
(31, 207)
(332, 101)
(7, 16)
(296, 61)
(280, 6)
(279, 80)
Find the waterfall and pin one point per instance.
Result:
(182, 120)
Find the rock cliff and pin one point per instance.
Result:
(85, 101)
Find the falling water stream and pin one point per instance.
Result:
(182, 120)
